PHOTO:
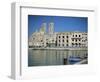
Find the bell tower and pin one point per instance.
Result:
(51, 27)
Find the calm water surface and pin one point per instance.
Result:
(53, 57)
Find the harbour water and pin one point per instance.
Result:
(54, 57)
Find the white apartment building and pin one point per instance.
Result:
(63, 39)
(72, 39)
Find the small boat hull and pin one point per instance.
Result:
(73, 60)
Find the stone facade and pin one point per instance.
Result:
(58, 39)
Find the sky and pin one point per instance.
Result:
(61, 23)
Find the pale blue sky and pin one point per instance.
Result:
(61, 23)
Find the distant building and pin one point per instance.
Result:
(57, 39)
(51, 28)
(43, 27)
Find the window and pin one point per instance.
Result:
(59, 40)
(63, 45)
(76, 40)
(76, 35)
(76, 44)
(66, 44)
(67, 40)
(72, 39)
(59, 36)
(66, 36)
(63, 36)
(59, 44)
(79, 35)
(63, 40)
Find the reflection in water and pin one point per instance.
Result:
(53, 57)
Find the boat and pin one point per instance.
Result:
(73, 60)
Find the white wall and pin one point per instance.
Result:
(5, 36)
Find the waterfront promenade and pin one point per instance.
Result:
(58, 48)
